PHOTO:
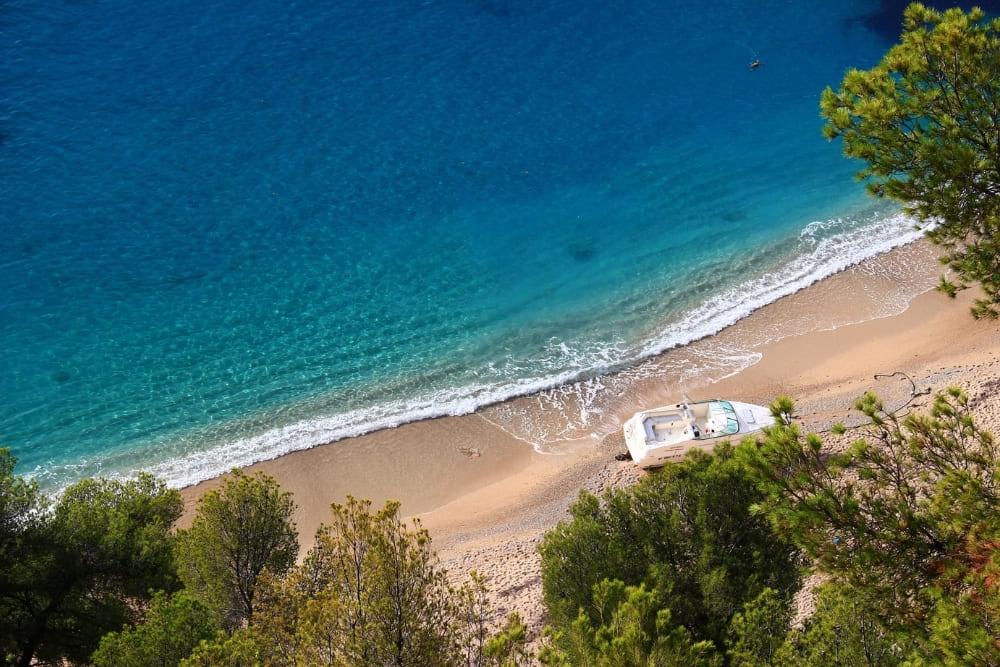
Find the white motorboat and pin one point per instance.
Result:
(664, 434)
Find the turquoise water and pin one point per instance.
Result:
(233, 230)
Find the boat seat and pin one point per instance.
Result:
(662, 424)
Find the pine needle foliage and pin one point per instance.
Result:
(239, 531)
(926, 120)
(905, 523)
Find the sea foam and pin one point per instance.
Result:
(822, 255)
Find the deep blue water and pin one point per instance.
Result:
(234, 229)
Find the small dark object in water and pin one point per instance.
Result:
(60, 376)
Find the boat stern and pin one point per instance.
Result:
(635, 438)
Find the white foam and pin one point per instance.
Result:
(575, 382)
(818, 257)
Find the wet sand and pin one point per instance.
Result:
(488, 485)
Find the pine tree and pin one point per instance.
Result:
(926, 119)
(238, 531)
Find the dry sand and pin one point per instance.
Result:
(487, 495)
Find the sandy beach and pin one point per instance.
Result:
(487, 493)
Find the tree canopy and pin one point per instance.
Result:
(695, 565)
(238, 531)
(84, 567)
(926, 119)
(173, 627)
(370, 592)
(665, 565)
(905, 522)
(92, 578)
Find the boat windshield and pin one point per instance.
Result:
(721, 420)
(728, 412)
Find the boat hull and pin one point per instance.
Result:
(661, 435)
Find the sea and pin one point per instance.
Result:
(232, 230)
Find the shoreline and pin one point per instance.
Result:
(549, 371)
(473, 450)
(487, 495)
